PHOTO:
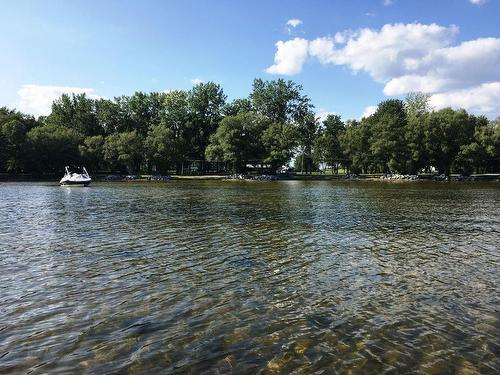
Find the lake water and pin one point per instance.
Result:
(238, 277)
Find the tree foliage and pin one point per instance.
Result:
(51, 147)
(124, 151)
(274, 125)
(75, 112)
(237, 140)
(280, 101)
(13, 129)
(327, 147)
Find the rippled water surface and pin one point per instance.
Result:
(250, 277)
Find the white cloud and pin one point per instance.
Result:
(37, 100)
(484, 98)
(387, 53)
(370, 110)
(290, 57)
(407, 83)
(196, 81)
(450, 68)
(294, 22)
(404, 57)
(477, 2)
(386, 3)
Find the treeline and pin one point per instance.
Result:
(165, 132)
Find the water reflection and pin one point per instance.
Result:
(250, 277)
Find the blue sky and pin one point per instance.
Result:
(348, 55)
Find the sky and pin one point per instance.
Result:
(348, 55)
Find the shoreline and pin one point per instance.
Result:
(490, 177)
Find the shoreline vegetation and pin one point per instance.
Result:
(274, 131)
(489, 177)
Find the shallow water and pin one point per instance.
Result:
(250, 277)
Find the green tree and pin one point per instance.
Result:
(143, 110)
(92, 152)
(51, 148)
(307, 131)
(445, 132)
(206, 101)
(482, 154)
(175, 112)
(388, 136)
(279, 141)
(13, 128)
(280, 101)
(327, 148)
(237, 106)
(110, 116)
(75, 112)
(163, 148)
(418, 107)
(355, 143)
(301, 161)
(237, 140)
(124, 151)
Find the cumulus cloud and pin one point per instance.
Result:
(389, 52)
(477, 2)
(403, 57)
(465, 65)
(37, 100)
(290, 57)
(484, 98)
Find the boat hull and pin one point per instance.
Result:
(75, 183)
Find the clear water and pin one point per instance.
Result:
(250, 277)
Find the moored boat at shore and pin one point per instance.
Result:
(75, 179)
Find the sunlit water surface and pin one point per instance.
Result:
(250, 277)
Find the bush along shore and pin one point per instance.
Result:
(198, 132)
(312, 177)
(9, 177)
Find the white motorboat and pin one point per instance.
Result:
(75, 179)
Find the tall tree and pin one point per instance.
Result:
(51, 148)
(280, 101)
(237, 106)
(206, 101)
(76, 112)
(142, 110)
(237, 140)
(355, 142)
(13, 128)
(327, 148)
(110, 116)
(163, 148)
(418, 107)
(307, 131)
(482, 154)
(388, 144)
(446, 131)
(92, 152)
(124, 151)
(168, 143)
(279, 141)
